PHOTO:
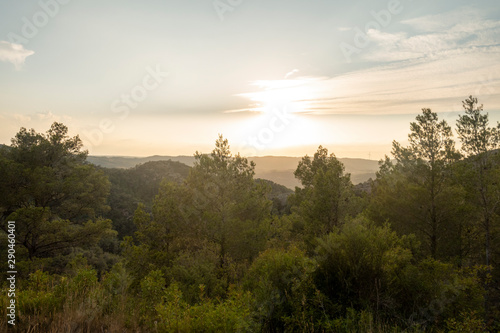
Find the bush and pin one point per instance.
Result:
(230, 315)
(283, 289)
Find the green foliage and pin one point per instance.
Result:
(418, 194)
(481, 178)
(48, 171)
(467, 322)
(278, 195)
(161, 234)
(38, 297)
(44, 300)
(194, 268)
(116, 284)
(278, 231)
(227, 204)
(211, 252)
(205, 231)
(138, 185)
(43, 236)
(169, 229)
(284, 293)
(152, 288)
(230, 315)
(153, 236)
(367, 268)
(354, 321)
(327, 197)
(165, 309)
(432, 291)
(359, 265)
(473, 131)
(57, 196)
(482, 173)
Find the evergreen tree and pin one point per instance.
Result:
(416, 193)
(52, 194)
(229, 205)
(326, 197)
(479, 144)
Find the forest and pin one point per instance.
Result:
(163, 247)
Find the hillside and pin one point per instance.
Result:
(140, 184)
(278, 169)
(135, 185)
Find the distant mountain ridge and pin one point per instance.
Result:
(278, 169)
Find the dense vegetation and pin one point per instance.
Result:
(166, 248)
(139, 184)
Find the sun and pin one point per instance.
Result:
(294, 94)
(280, 117)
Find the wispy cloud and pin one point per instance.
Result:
(22, 118)
(291, 73)
(458, 18)
(47, 115)
(36, 118)
(435, 36)
(273, 93)
(396, 88)
(16, 54)
(437, 63)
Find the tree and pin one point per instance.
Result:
(228, 204)
(482, 178)
(44, 235)
(370, 269)
(138, 184)
(213, 224)
(285, 297)
(479, 142)
(161, 235)
(326, 198)
(52, 193)
(417, 193)
(358, 264)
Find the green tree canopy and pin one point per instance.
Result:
(219, 208)
(417, 194)
(482, 175)
(229, 204)
(327, 193)
(55, 196)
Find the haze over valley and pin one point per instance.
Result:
(278, 169)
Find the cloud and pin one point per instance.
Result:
(440, 83)
(22, 118)
(436, 63)
(445, 21)
(434, 36)
(291, 73)
(48, 115)
(16, 54)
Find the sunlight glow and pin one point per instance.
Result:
(294, 93)
(281, 118)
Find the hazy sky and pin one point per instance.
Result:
(275, 77)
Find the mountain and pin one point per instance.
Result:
(278, 169)
(126, 162)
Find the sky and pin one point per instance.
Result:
(274, 77)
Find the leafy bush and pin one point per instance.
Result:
(284, 292)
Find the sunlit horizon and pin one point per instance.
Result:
(275, 78)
